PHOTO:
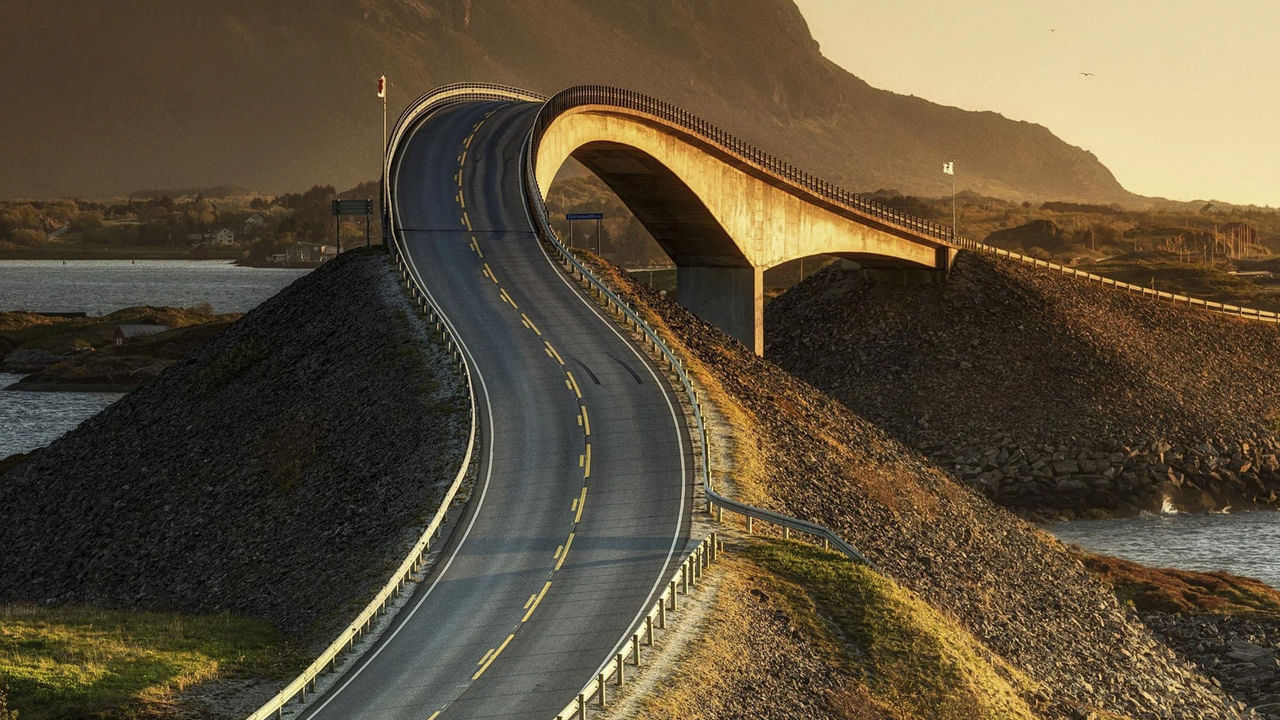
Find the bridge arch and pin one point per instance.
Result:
(722, 215)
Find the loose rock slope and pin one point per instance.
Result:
(1017, 591)
(278, 472)
(1047, 393)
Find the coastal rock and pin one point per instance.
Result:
(28, 360)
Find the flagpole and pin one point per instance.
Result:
(953, 203)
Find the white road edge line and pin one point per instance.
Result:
(666, 396)
(484, 389)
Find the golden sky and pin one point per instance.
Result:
(1183, 100)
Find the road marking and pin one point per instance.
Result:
(671, 410)
(552, 352)
(461, 201)
(573, 505)
(466, 220)
(535, 602)
(487, 654)
(586, 422)
(467, 143)
(462, 159)
(475, 245)
(559, 549)
(434, 715)
(580, 459)
(586, 469)
(568, 543)
(506, 297)
(488, 272)
(495, 655)
(530, 325)
(573, 384)
(582, 502)
(529, 602)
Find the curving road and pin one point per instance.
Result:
(582, 504)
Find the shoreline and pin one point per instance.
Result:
(121, 388)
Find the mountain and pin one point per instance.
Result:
(106, 98)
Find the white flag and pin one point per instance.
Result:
(382, 86)
(949, 168)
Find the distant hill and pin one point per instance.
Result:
(107, 98)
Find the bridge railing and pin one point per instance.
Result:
(711, 134)
(538, 212)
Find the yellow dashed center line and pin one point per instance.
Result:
(466, 220)
(493, 657)
(467, 143)
(559, 549)
(434, 715)
(573, 384)
(488, 272)
(506, 297)
(586, 469)
(581, 458)
(537, 599)
(488, 654)
(586, 422)
(552, 352)
(462, 159)
(568, 543)
(581, 503)
(529, 324)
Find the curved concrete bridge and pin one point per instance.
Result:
(723, 211)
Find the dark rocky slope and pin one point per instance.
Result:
(1020, 593)
(278, 96)
(1044, 391)
(278, 472)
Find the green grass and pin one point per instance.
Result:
(914, 662)
(77, 662)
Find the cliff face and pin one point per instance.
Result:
(266, 475)
(278, 96)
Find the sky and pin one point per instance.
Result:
(1183, 99)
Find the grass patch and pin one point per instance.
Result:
(1182, 591)
(78, 662)
(914, 662)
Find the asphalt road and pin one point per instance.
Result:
(583, 501)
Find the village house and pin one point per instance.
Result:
(130, 331)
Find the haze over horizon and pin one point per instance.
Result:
(1177, 101)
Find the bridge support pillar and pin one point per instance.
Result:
(731, 298)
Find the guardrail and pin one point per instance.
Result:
(412, 564)
(597, 95)
(1174, 298)
(710, 134)
(595, 692)
(409, 567)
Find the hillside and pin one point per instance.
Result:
(1043, 638)
(277, 96)
(261, 476)
(1043, 391)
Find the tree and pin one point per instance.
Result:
(28, 237)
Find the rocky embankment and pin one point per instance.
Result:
(1079, 652)
(279, 472)
(1050, 395)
